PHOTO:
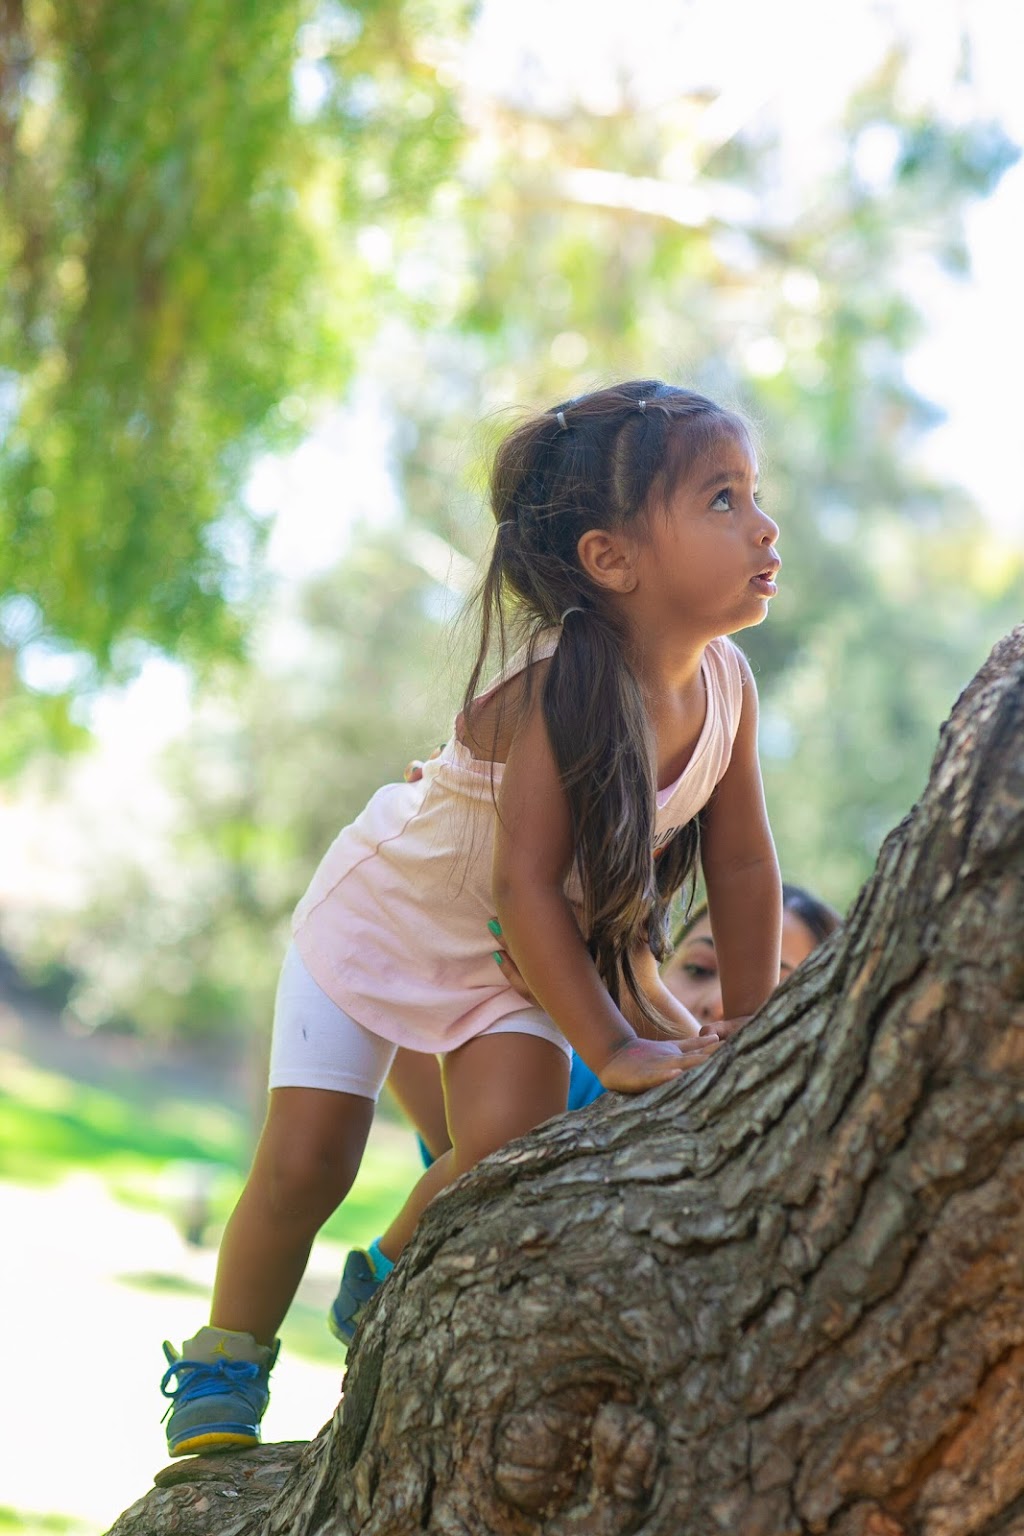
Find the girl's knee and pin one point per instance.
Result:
(473, 1145)
(309, 1152)
(305, 1180)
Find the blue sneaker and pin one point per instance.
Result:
(222, 1391)
(359, 1282)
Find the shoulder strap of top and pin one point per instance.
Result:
(545, 646)
(725, 660)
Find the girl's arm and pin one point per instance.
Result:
(645, 968)
(532, 857)
(741, 873)
(680, 1022)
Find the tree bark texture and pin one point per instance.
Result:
(782, 1295)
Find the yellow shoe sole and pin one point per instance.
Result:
(215, 1440)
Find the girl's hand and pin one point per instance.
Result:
(508, 969)
(725, 1028)
(503, 960)
(641, 1064)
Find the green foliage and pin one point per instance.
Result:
(179, 247)
(33, 723)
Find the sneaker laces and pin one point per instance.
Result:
(206, 1378)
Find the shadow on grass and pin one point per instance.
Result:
(158, 1284)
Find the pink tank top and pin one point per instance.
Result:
(393, 927)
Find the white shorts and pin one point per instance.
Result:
(317, 1045)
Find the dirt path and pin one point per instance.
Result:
(90, 1288)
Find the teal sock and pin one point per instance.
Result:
(382, 1265)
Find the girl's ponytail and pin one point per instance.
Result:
(601, 740)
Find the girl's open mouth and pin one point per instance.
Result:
(765, 581)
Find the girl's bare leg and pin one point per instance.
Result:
(497, 1087)
(415, 1082)
(307, 1158)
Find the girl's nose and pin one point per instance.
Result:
(710, 1010)
(769, 528)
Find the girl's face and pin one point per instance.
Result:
(709, 557)
(692, 973)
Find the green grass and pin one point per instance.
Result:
(146, 1152)
(50, 1124)
(25, 1524)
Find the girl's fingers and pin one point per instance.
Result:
(643, 1064)
(694, 1058)
(707, 1036)
(511, 974)
(729, 1027)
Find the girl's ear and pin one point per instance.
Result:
(609, 559)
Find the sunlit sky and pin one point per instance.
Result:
(796, 59)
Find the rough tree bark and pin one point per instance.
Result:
(783, 1295)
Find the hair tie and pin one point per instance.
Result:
(567, 612)
(560, 418)
(641, 405)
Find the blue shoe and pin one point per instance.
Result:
(222, 1391)
(359, 1282)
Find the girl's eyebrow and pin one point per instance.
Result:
(723, 474)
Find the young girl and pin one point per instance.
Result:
(629, 542)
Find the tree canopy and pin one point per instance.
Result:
(181, 253)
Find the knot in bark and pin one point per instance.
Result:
(574, 1449)
(625, 1453)
(866, 1518)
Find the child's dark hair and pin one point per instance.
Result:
(817, 916)
(608, 460)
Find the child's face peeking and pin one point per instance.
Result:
(692, 972)
(707, 559)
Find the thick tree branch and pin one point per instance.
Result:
(784, 1294)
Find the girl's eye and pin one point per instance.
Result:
(722, 502)
(697, 972)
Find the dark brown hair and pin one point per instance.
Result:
(604, 460)
(817, 916)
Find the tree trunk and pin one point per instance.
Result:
(784, 1294)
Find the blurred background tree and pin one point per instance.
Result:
(180, 255)
(221, 222)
